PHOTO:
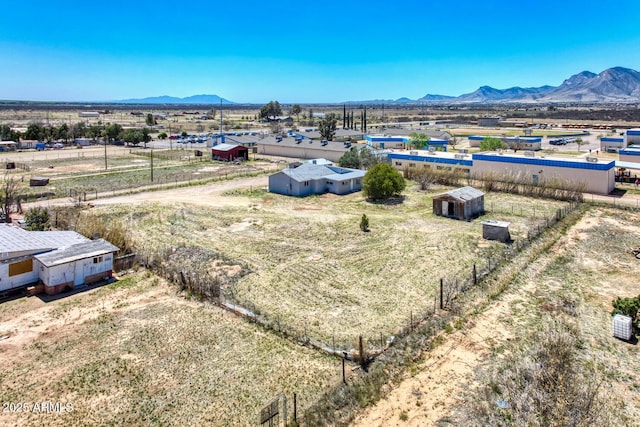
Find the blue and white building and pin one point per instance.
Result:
(594, 174)
(632, 136)
(608, 143)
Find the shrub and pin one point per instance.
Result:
(542, 383)
(382, 182)
(364, 223)
(37, 219)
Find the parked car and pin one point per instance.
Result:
(58, 146)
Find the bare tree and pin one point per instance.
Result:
(8, 196)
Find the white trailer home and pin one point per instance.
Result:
(33, 257)
(75, 265)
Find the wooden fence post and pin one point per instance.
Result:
(344, 378)
(441, 293)
(475, 275)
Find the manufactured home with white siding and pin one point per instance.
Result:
(56, 259)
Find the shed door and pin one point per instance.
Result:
(79, 273)
(445, 207)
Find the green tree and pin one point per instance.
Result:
(162, 135)
(368, 159)
(145, 136)
(350, 159)
(150, 120)
(112, 131)
(7, 134)
(382, 182)
(37, 218)
(34, 132)
(364, 223)
(63, 132)
(79, 130)
(94, 132)
(132, 136)
(296, 109)
(418, 140)
(272, 109)
(327, 127)
(492, 144)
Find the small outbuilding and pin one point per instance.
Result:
(463, 203)
(38, 181)
(496, 230)
(229, 152)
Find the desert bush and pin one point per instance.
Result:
(543, 381)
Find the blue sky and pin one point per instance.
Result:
(305, 51)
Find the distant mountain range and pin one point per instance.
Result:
(195, 99)
(616, 84)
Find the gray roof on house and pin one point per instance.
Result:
(309, 171)
(15, 239)
(75, 252)
(462, 194)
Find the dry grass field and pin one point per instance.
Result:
(311, 268)
(137, 353)
(570, 286)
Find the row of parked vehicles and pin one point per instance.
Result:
(562, 141)
(41, 146)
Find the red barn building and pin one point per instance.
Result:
(229, 152)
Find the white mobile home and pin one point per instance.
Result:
(32, 257)
(75, 265)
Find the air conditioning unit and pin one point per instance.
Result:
(413, 153)
(529, 153)
(592, 159)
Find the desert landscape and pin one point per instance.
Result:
(298, 289)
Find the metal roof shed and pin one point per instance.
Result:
(229, 152)
(463, 203)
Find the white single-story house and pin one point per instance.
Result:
(309, 178)
(56, 259)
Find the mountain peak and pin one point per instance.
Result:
(165, 99)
